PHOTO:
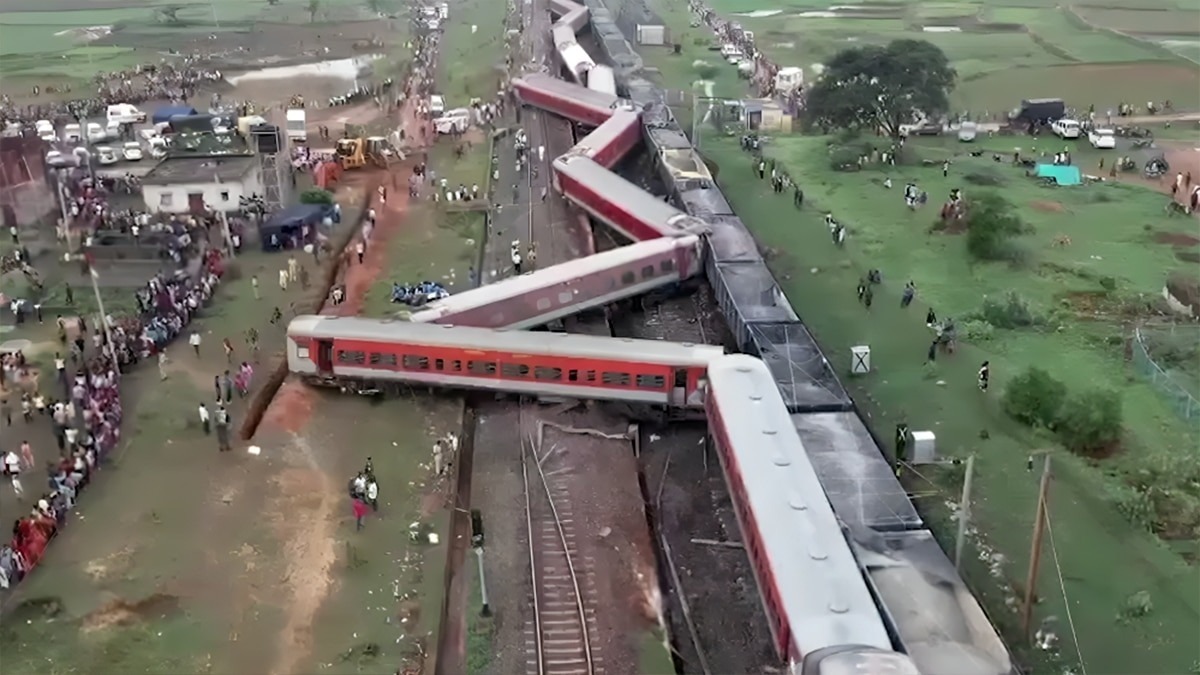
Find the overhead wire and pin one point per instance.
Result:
(1066, 599)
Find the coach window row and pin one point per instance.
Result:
(508, 371)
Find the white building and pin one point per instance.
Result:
(194, 184)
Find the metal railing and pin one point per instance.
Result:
(1170, 382)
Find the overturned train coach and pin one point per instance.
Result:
(357, 353)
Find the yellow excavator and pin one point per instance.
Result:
(350, 153)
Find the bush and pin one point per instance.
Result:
(1090, 422)
(1035, 398)
(316, 196)
(1109, 284)
(984, 178)
(705, 71)
(844, 158)
(992, 223)
(975, 330)
(1011, 312)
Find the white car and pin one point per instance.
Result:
(106, 156)
(59, 160)
(132, 151)
(1066, 128)
(1102, 139)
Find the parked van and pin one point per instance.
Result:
(125, 113)
(1066, 128)
(73, 133)
(453, 121)
(437, 105)
(96, 133)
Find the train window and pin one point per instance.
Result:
(482, 367)
(455, 366)
(628, 278)
(347, 356)
(416, 362)
(564, 298)
(589, 376)
(514, 370)
(615, 379)
(379, 359)
(681, 378)
(647, 271)
(666, 266)
(651, 382)
(547, 373)
(543, 304)
(439, 364)
(572, 375)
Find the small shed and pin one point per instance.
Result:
(655, 36)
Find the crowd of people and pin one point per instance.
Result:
(173, 80)
(83, 407)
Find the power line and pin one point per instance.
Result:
(1066, 600)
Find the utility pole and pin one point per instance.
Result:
(695, 119)
(95, 277)
(1035, 555)
(964, 513)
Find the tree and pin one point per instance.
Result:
(314, 6)
(992, 222)
(316, 196)
(875, 87)
(1035, 398)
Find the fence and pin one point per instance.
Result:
(1182, 340)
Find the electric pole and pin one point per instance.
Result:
(1035, 555)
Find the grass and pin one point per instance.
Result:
(654, 657)
(471, 63)
(1104, 558)
(480, 629)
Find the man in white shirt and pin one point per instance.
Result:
(194, 341)
(205, 420)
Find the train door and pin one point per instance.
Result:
(324, 357)
(679, 382)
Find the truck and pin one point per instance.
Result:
(297, 125)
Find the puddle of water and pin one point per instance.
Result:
(941, 29)
(817, 15)
(341, 69)
(760, 13)
(87, 34)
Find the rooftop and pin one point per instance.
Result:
(174, 170)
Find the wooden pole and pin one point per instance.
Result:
(964, 513)
(1035, 555)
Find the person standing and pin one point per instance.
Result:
(194, 341)
(360, 250)
(373, 493)
(985, 374)
(222, 429)
(227, 388)
(162, 365)
(283, 279)
(360, 512)
(254, 286)
(205, 420)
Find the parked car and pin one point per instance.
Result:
(59, 160)
(967, 132)
(106, 156)
(1066, 128)
(132, 151)
(1102, 139)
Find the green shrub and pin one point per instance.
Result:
(844, 158)
(976, 330)
(1091, 421)
(992, 223)
(1109, 284)
(1035, 398)
(1010, 312)
(705, 71)
(316, 196)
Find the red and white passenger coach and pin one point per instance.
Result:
(566, 289)
(816, 599)
(334, 351)
(572, 101)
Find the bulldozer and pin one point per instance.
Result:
(381, 152)
(350, 153)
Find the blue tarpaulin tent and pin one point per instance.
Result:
(1061, 174)
(165, 113)
(288, 223)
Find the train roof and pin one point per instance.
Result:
(940, 625)
(804, 377)
(730, 241)
(858, 480)
(616, 190)
(819, 582)
(553, 86)
(511, 341)
(550, 277)
(604, 134)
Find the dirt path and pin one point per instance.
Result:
(305, 488)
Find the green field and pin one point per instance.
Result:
(1004, 50)
(1105, 559)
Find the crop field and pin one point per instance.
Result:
(1001, 48)
(77, 38)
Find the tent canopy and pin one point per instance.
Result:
(1062, 174)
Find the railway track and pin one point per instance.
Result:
(562, 637)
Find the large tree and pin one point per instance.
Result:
(875, 87)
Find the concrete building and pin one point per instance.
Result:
(192, 184)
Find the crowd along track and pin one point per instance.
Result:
(561, 640)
